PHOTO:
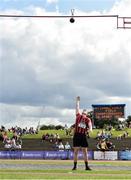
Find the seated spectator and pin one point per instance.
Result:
(7, 143)
(51, 138)
(43, 137)
(120, 127)
(13, 143)
(125, 134)
(110, 145)
(19, 143)
(56, 146)
(98, 135)
(47, 136)
(15, 136)
(119, 137)
(1, 137)
(16, 144)
(103, 134)
(5, 136)
(101, 145)
(61, 146)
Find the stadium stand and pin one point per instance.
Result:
(37, 144)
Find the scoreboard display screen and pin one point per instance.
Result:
(108, 111)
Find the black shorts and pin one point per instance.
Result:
(80, 140)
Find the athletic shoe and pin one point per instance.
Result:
(88, 168)
(74, 168)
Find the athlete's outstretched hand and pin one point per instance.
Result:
(78, 98)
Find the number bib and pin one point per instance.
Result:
(82, 125)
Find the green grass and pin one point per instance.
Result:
(65, 162)
(65, 173)
(63, 135)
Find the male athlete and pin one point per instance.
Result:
(82, 124)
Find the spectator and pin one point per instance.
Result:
(110, 145)
(56, 146)
(61, 146)
(66, 129)
(43, 138)
(125, 134)
(15, 136)
(7, 143)
(5, 136)
(1, 137)
(67, 148)
(102, 146)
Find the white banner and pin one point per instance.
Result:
(107, 155)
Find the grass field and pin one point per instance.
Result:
(61, 169)
(62, 134)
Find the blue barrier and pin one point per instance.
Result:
(124, 155)
(32, 154)
(18, 154)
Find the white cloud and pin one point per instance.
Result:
(48, 62)
(52, 1)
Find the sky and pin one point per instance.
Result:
(45, 63)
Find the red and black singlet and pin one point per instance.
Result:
(81, 124)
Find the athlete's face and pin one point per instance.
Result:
(84, 115)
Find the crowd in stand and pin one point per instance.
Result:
(56, 142)
(105, 145)
(104, 141)
(59, 146)
(15, 141)
(104, 137)
(123, 136)
(51, 137)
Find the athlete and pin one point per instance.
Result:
(82, 124)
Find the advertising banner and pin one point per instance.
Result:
(80, 155)
(107, 155)
(125, 155)
(55, 154)
(18, 154)
(32, 154)
(10, 155)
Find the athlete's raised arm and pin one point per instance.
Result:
(77, 104)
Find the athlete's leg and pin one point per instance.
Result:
(85, 154)
(76, 150)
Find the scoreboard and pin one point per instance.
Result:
(108, 111)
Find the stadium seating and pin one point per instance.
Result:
(37, 144)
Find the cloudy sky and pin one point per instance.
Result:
(46, 62)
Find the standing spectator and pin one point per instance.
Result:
(82, 124)
(66, 129)
(67, 148)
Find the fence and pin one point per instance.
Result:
(97, 155)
